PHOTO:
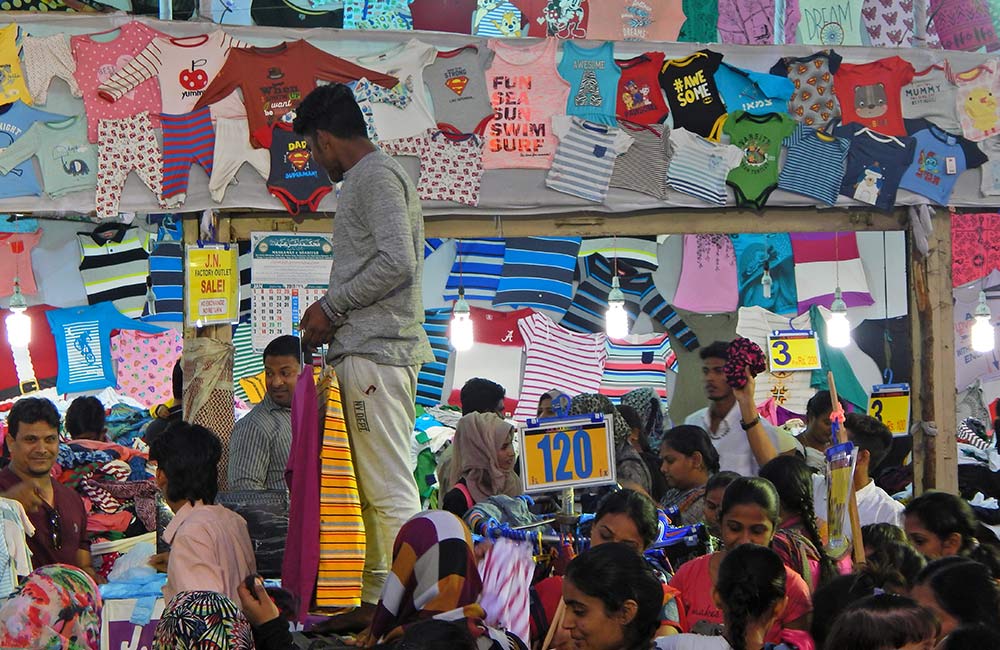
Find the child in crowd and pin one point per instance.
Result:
(883, 622)
(85, 419)
(959, 592)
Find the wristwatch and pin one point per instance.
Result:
(751, 424)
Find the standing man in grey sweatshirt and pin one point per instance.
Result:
(372, 317)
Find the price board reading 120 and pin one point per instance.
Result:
(567, 452)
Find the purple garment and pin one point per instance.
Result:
(300, 568)
(752, 22)
(784, 415)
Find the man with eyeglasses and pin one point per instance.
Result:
(56, 512)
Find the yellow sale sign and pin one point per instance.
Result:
(890, 405)
(212, 285)
(788, 351)
(571, 452)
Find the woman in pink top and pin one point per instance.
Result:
(749, 515)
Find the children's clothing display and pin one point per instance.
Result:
(187, 139)
(891, 23)
(497, 20)
(964, 24)
(98, 57)
(232, 149)
(183, 68)
(976, 101)
(585, 157)
(637, 361)
(12, 82)
(114, 267)
(377, 14)
(538, 272)
(557, 359)
(931, 95)
(67, 160)
(699, 167)
(593, 78)
(829, 22)
(126, 145)
(753, 92)
(16, 119)
(431, 376)
(869, 93)
(701, 21)
(166, 272)
(477, 269)
(46, 58)
(405, 62)
(83, 344)
(526, 91)
(366, 94)
(451, 166)
(758, 22)
(296, 179)
(820, 257)
(457, 83)
(15, 262)
(643, 168)
(635, 20)
(144, 364)
(875, 165)
(814, 164)
(640, 252)
(814, 102)
(940, 159)
(567, 19)
(759, 137)
(975, 246)
(640, 99)
(273, 80)
(770, 253)
(695, 101)
(708, 275)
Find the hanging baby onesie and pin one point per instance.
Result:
(98, 57)
(700, 167)
(695, 101)
(15, 262)
(635, 20)
(496, 354)
(976, 101)
(378, 14)
(975, 246)
(940, 159)
(757, 22)
(640, 99)
(68, 162)
(431, 376)
(585, 157)
(83, 339)
(526, 91)
(296, 179)
(770, 252)
(759, 137)
(557, 359)
(406, 61)
(869, 93)
(46, 58)
(477, 269)
(593, 78)
(829, 22)
(15, 120)
(638, 361)
(931, 95)
(753, 92)
(12, 82)
(823, 259)
(814, 164)
(875, 165)
(144, 364)
(964, 25)
(457, 83)
(451, 166)
(538, 272)
(497, 20)
(643, 168)
(891, 23)
(114, 267)
(813, 102)
(708, 275)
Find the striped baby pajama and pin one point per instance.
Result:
(187, 138)
(125, 145)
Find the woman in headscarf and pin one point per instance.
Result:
(203, 619)
(57, 606)
(647, 405)
(630, 469)
(482, 462)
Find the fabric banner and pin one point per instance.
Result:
(975, 246)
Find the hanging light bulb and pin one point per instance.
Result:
(18, 322)
(838, 328)
(461, 324)
(983, 337)
(616, 318)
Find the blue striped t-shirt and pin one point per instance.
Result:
(430, 378)
(477, 268)
(814, 164)
(585, 158)
(700, 167)
(538, 273)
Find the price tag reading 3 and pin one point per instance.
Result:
(890, 405)
(568, 452)
(791, 350)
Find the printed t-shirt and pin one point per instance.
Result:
(869, 93)
(67, 160)
(274, 80)
(753, 92)
(498, 20)
(759, 137)
(640, 99)
(15, 262)
(638, 361)
(538, 272)
(568, 20)
(144, 364)
(593, 78)
(875, 165)
(699, 167)
(585, 157)
(928, 174)
(814, 164)
(183, 68)
(525, 91)
(12, 84)
(821, 256)
(829, 22)
(98, 57)
(689, 84)
(758, 22)
(708, 275)
(772, 251)
(404, 62)
(15, 120)
(496, 354)
(387, 14)
(890, 23)
(453, 16)
(635, 20)
(701, 21)
(975, 246)
(457, 83)
(931, 95)
(533, 17)
(643, 168)
(814, 101)
(976, 101)
(557, 359)
(964, 25)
